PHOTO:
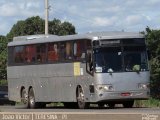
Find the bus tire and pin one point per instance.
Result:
(41, 105)
(101, 105)
(81, 99)
(24, 98)
(128, 104)
(31, 97)
(12, 103)
(71, 105)
(111, 105)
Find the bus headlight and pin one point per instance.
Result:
(143, 85)
(105, 88)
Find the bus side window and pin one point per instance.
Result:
(11, 59)
(19, 52)
(41, 53)
(69, 50)
(30, 53)
(52, 52)
(79, 50)
(62, 51)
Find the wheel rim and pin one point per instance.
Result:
(31, 99)
(24, 97)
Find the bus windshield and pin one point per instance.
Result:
(112, 59)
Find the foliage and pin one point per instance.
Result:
(147, 103)
(3, 82)
(35, 25)
(3, 57)
(153, 43)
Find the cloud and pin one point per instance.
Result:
(4, 27)
(30, 8)
(8, 10)
(100, 21)
(111, 9)
(133, 19)
(147, 17)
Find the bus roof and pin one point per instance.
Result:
(34, 39)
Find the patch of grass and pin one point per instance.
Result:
(3, 82)
(148, 103)
(55, 105)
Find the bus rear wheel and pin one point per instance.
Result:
(71, 105)
(24, 98)
(81, 99)
(128, 104)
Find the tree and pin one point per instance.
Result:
(56, 27)
(153, 43)
(3, 57)
(35, 25)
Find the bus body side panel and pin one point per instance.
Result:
(54, 83)
(61, 76)
(15, 80)
(51, 82)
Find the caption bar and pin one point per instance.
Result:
(63, 116)
(32, 116)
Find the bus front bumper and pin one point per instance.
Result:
(134, 95)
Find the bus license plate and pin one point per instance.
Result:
(125, 94)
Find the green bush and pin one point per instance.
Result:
(148, 103)
(3, 82)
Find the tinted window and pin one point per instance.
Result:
(69, 49)
(79, 50)
(30, 53)
(52, 51)
(19, 54)
(41, 53)
(62, 51)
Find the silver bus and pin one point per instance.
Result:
(105, 68)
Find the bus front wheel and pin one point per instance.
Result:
(111, 105)
(81, 99)
(128, 104)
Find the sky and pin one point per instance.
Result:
(85, 15)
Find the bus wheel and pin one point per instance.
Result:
(71, 105)
(81, 99)
(101, 105)
(32, 103)
(41, 105)
(128, 104)
(24, 98)
(111, 105)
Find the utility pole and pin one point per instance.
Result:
(46, 17)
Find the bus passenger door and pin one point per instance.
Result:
(89, 63)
